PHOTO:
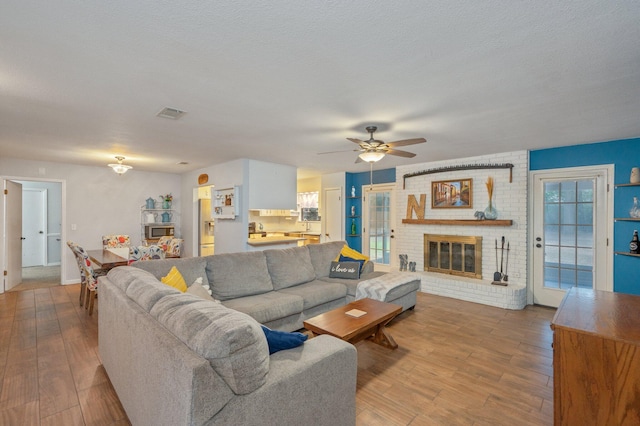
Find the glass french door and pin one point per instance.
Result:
(570, 233)
(377, 233)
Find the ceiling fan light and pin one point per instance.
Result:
(371, 156)
(120, 168)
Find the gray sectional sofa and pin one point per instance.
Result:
(174, 358)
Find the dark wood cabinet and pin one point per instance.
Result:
(596, 359)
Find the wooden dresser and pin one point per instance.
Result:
(596, 359)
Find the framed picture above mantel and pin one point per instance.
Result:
(451, 194)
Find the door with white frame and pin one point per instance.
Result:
(34, 208)
(378, 208)
(571, 232)
(332, 214)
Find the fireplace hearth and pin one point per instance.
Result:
(453, 254)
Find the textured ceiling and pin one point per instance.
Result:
(280, 81)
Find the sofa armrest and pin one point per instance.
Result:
(312, 384)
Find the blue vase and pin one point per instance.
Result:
(166, 204)
(490, 213)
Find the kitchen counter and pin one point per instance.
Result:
(264, 241)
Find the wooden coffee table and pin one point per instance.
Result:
(372, 324)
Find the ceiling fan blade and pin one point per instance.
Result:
(354, 140)
(333, 152)
(399, 153)
(406, 142)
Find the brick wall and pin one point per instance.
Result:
(510, 199)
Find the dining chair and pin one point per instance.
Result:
(152, 252)
(171, 246)
(88, 276)
(115, 241)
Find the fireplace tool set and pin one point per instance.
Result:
(500, 278)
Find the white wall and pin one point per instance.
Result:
(271, 186)
(97, 201)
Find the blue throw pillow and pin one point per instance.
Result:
(349, 259)
(280, 340)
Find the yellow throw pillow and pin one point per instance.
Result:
(175, 280)
(349, 252)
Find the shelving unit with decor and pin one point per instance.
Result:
(157, 221)
(634, 220)
(226, 203)
(353, 220)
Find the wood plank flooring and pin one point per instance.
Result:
(458, 363)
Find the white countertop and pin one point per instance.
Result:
(272, 240)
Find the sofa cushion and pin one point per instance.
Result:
(191, 268)
(232, 342)
(267, 307)
(198, 290)
(233, 275)
(291, 266)
(316, 292)
(123, 276)
(146, 292)
(322, 255)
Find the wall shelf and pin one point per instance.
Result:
(624, 253)
(629, 219)
(464, 222)
(226, 203)
(626, 184)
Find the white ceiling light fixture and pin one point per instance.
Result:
(120, 168)
(371, 156)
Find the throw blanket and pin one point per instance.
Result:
(377, 288)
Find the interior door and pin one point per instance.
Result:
(12, 234)
(333, 214)
(378, 219)
(571, 232)
(34, 226)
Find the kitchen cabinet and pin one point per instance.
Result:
(226, 203)
(596, 354)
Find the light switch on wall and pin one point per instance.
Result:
(74, 227)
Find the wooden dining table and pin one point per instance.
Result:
(106, 259)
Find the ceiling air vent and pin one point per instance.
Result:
(171, 113)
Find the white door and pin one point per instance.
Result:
(332, 215)
(34, 226)
(571, 231)
(378, 219)
(12, 234)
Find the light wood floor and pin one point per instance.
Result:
(458, 363)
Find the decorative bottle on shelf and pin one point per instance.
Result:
(353, 210)
(353, 191)
(634, 245)
(635, 210)
(354, 229)
(635, 175)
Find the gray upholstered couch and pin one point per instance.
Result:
(279, 288)
(175, 359)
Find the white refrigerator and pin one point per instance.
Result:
(206, 225)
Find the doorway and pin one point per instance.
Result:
(332, 214)
(378, 219)
(571, 231)
(39, 234)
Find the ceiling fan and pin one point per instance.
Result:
(373, 150)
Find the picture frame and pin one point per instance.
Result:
(452, 194)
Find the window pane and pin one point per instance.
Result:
(552, 192)
(551, 277)
(585, 258)
(567, 257)
(567, 235)
(552, 235)
(585, 236)
(585, 190)
(585, 213)
(568, 192)
(551, 214)
(551, 256)
(568, 278)
(568, 213)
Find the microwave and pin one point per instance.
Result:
(153, 232)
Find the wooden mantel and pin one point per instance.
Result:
(464, 222)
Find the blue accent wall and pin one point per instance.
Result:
(358, 180)
(624, 154)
